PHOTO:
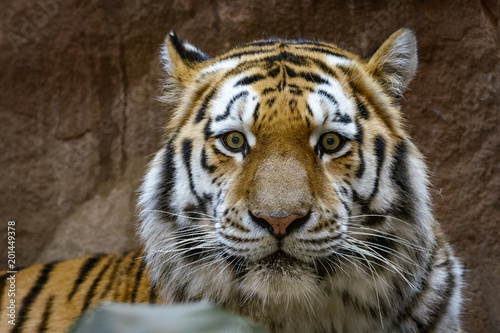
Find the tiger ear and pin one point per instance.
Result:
(394, 64)
(181, 60)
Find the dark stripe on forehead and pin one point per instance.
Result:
(323, 50)
(286, 57)
(330, 98)
(250, 79)
(314, 78)
(201, 112)
(267, 91)
(243, 53)
(230, 105)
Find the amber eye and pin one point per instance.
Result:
(331, 142)
(234, 141)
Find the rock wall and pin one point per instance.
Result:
(79, 119)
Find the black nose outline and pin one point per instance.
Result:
(295, 224)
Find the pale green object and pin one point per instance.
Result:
(185, 318)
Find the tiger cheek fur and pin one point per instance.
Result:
(288, 191)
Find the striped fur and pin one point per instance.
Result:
(364, 253)
(49, 297)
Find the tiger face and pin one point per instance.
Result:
(287, 176)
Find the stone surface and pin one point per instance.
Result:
(79, 119)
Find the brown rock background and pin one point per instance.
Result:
(79, 119)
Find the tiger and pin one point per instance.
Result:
(287, 191)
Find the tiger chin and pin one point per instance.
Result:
(288, 191)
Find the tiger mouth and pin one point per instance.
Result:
(279, 259)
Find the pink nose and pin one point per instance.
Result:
(279, 224)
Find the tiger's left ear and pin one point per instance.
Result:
(181, 60)
(394, 64)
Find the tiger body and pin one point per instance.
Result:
(289, 192)
(50, 297)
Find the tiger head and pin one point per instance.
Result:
(286, 166)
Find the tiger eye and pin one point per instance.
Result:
(234, 140)
(331, 142)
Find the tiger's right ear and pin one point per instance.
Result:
(181, 60)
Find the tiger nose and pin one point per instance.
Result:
(280, 226)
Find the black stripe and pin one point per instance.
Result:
(363, 112)
(190, 243)
(204, 164)
(187, 147)
(112, 278)
(270, 102)
(249, 80)
(90, 292)
(295, 91)
(290, 72)
(314, 78)
(243, 53)
(374, 219)
(30, 298)
(401, 177)
(324, 67)
(256, 113)
(274, 72)
(442, 305)
(230, 105)
(322, 50)
(330, 97)
(186, 53)
(138, 277)
(402, 315)
(309, 110)
(127, 275)
(167, 179)
(379, 144)
(201, 112)
(267, 91)
(84, 271)
(341, 118)
(361, 168)
(43, 327)
(400, 174)
(359, 134)
(285, 56)
(152, 294)
(207, 131)
(381, 245)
